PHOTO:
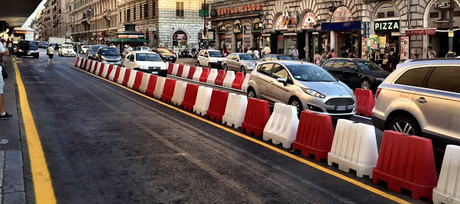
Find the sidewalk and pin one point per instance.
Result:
(11, 157)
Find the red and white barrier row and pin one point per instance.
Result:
(403, 161)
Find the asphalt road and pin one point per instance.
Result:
(106, 144)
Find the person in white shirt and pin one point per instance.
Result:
(3, 113)
(249, 51)
(294, 51)
(256, 53)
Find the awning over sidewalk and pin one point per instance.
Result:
(130, 40)
(424, 31)
(353, 25)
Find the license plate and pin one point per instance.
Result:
(154, 72)
(340, 108)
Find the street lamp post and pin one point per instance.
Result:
(451, 26)
(89, 25)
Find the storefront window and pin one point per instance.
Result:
(180, 39)
(289, 41)
(265, 41)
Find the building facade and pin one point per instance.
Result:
(52, 20)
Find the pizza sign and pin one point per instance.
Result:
(342, 14)
(309, 21)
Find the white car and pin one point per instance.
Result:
(66, 50)
(146, 61)
(210, 58)
(84, 49)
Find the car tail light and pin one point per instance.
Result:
(377, 93)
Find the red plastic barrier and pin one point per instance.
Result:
(364, 102)
(217, 105)
(170, 68)
(314, 135)
(220, 77)
(238, 81)
(138, 80)
(406, 162)
(95, 64)
(90, 64)
(83, 63)
(180, 70)
(126, 79)
(151, 85)
(101, 69)
(168, 90)
(190, 96)
(78, 60)
(117, 74)
(191, 72)
(109, 71)
(204, 75)
(256, 117)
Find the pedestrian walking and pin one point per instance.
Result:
(294, 52)
(266, 50)
(3, 113)
(50, 52)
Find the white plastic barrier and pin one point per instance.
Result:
(113, 72)
(203, 97)
(354, 147)
(159, 87)
(121, 77)
(132, 78)
(197, 74)
(228, 80)
(105, 70)
(97, 68)
(235, 110)
(282, 125)
(185, 71)
(179, 93)
(175, 68)
(244, 86)
(88, 63)
(92, 66)
(212, 76)
(447, 190)
(144, 82)
(79, 59)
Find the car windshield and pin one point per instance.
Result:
(94, 48)
(109, 51)
(67, 46)
(85, 46)
(147, 57)
(307, 72)
(163, 51)
(215, 54)
(284, 57)
(246, 57)
(30, 43)
(368, 65)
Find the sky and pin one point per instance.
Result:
(32, 16)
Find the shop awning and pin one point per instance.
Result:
(354, 25)
(130, 40)
(424, 31)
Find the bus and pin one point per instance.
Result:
(22, 34)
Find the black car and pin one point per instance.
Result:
(275, 57)
(91, 52)
(108, 55)
(165, 54)
(356, 72)
(27, 48)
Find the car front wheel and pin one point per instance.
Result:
(297, 104)
(225, 67)
(242, 69)
(405, 125)
(366, 84)
(251, 93)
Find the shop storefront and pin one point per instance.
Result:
(386, 27)
(238, 36)
(180, 39)
(344, 33)
(288, 34)
(221, 29)
(257, 28)
(309, 24)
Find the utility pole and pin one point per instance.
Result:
(204, 24)
(451, 25)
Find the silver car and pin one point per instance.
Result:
(421, 97)
(240, 62)
(303, 85)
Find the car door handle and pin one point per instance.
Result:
(421, 100)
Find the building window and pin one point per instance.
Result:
(381, 15)
(140, 11)
(434, 15)
(153, 8)
(390, 14)
(456, 13)
(134, 13)
(146, 10)
(128, 15)
(180, 9)
(120, 16)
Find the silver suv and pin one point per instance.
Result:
(421, 97)
(303, 85)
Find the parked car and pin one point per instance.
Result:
(28, 48)
(356, 72)
(147, 62)
(66, 50)
(165, 54)
(92, 50)
(108, 55)
(141, 48)
(275, 57)
(210, 58)
(303, 85)
(242, 62)
(421, 97)
(84, 49)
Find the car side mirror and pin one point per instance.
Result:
(282, 80)
(237, 60)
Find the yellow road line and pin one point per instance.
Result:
(300, 159)
(44, 192)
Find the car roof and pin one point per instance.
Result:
(433, 62)
(143, 52)
(288, 62)
(352, 59)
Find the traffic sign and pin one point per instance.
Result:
(451, 33)
(202, 12)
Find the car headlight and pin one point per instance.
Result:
(102, 58)
(212, 61)
(143, 67)
(314, 93)
(20, 50)
(163, 68)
